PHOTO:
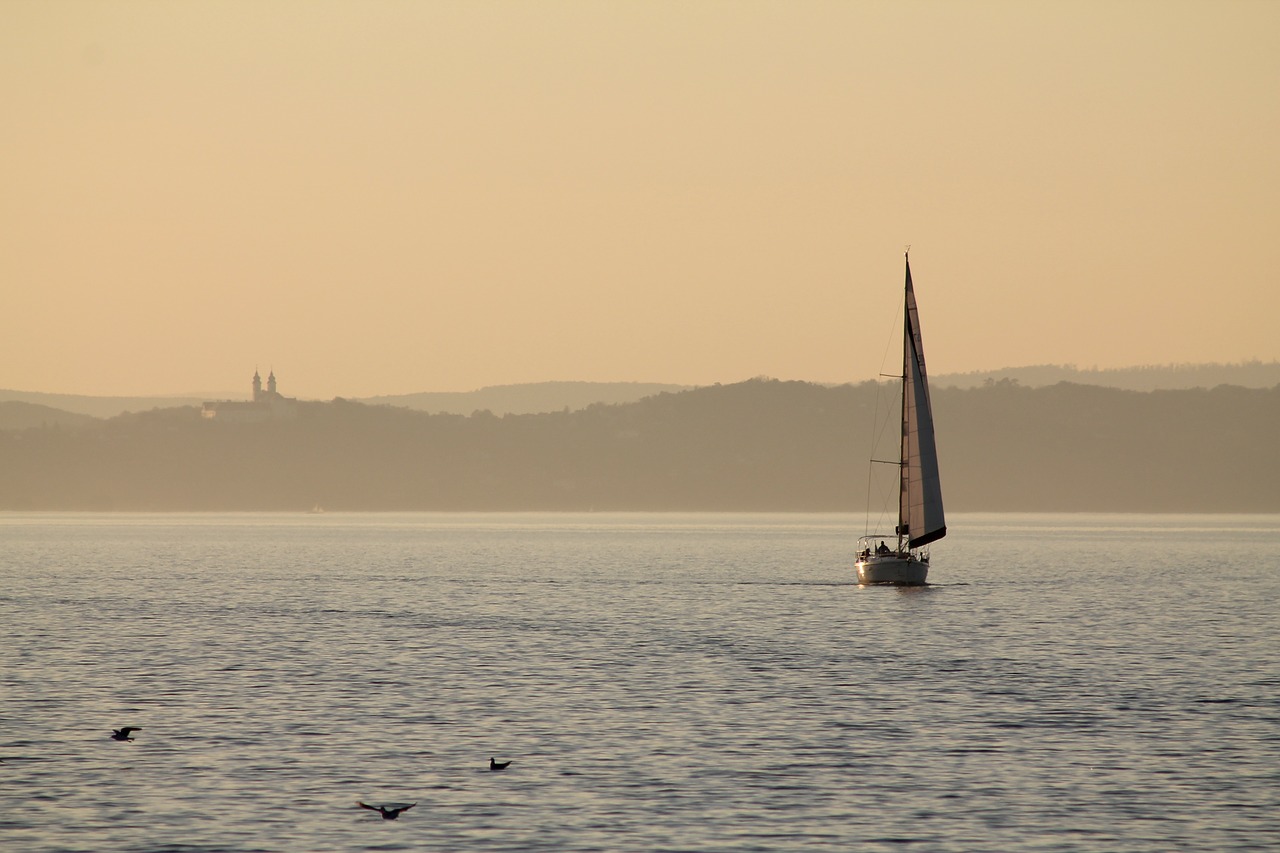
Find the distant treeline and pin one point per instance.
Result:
(526, 399)
(535, 397)
(1249, 374)
(758, 445)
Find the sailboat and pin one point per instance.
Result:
(901, 557)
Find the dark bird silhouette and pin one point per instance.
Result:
(498, 765)
(123, 734)
(387, 812)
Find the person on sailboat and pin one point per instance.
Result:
(882, 548)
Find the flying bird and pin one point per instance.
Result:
(387, 812)
(123, 734)
(498, 765)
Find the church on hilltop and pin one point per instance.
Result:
(267, 405)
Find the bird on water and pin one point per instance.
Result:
(123, 734)
(498, 765)
(387, 812)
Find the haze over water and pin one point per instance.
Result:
(660, 682)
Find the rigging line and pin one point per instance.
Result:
(866, 512)
(883, 389)
(875, 484)
(878, 428)
(884, 392)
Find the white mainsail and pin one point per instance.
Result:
(920, 516)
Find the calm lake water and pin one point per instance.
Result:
(660, 682)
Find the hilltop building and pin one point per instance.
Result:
(267, 405)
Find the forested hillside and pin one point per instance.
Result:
(15, 414)
(1153, 377)
(759, 445)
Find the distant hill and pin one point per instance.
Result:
(539, 397)
(1250, 374)
(526, 399)
(529, 398)
(15, 414)
(104, 407)
(762, 445)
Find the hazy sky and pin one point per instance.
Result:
(387, 197)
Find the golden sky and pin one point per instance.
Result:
(387, 197)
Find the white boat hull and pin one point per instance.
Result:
(892, 569)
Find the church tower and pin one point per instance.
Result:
(271, 384)
(257, 386)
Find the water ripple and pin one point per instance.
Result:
(660, 683)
